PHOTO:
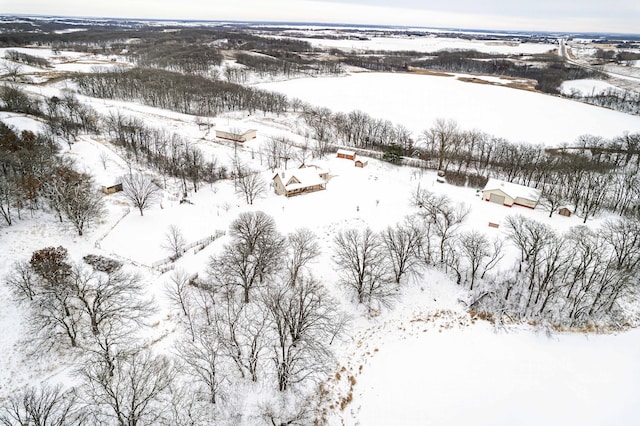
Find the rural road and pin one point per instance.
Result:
(564, 52)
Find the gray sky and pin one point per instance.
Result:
(552, 15)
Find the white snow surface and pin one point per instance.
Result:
(475, 374)
(586, 87)
(431, 44)
(416, 101)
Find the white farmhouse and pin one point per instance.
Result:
(298, 181)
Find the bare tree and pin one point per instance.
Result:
(82, 204)
(303, 248)
(592, 194)
(12, 70)
(273, 152)
(8, 199)
(363, 268)
(480, 255)
(71, 305)
(135, 394)
(104, 159)
(623, 237)
(289, 408)
(55, 317)
(402, 244)
(443, 217)
(254, 255)
(249, 183)
(182, 298)
(241, 330)
(140, 190)
(304, 323)
(45, 406)
(23, 282)
(553, 196)
(109, 300)
(528, 235)
(202, 358)
(320, 121)
(442, 140)
(174, 242)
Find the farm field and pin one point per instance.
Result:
(416, 101)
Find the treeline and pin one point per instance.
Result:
(167, 153)
(549, 71)
(355, 129)
(616, 99)
(13, 99)
(33, 177)
(565, 177)
(197, 59)
(24, 58)
(579, 278)
(287, 65)
(177, 92)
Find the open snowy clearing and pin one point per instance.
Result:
(416, 101)
(472, 374)
(586, 87)
(431, 44)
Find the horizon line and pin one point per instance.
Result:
(327, 24)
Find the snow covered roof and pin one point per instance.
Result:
(346, 152)
(513, 190)
(234, 130)
(301, 178)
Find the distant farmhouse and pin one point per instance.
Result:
(110, 185)
(349, 155)
(508, 194)
(237, 135)
(566, 211)
(298, 181)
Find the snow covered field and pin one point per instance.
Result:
(473, 374)
(586, 87)
(431, 44)
(416, 101)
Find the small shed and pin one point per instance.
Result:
(508, 194)
(565, 211)
(360, 163)
(236, 135)
(346, 154)
(112, 189)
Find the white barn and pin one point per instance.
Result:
(237, 135)
(508, 194)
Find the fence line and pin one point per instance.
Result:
(126, 210)
(167, 263)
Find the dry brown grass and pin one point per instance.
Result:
(421, 71)
(485, 316)
(478, 81)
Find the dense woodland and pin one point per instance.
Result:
(257, 320)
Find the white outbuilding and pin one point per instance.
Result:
(508, 194)
(236, 134)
